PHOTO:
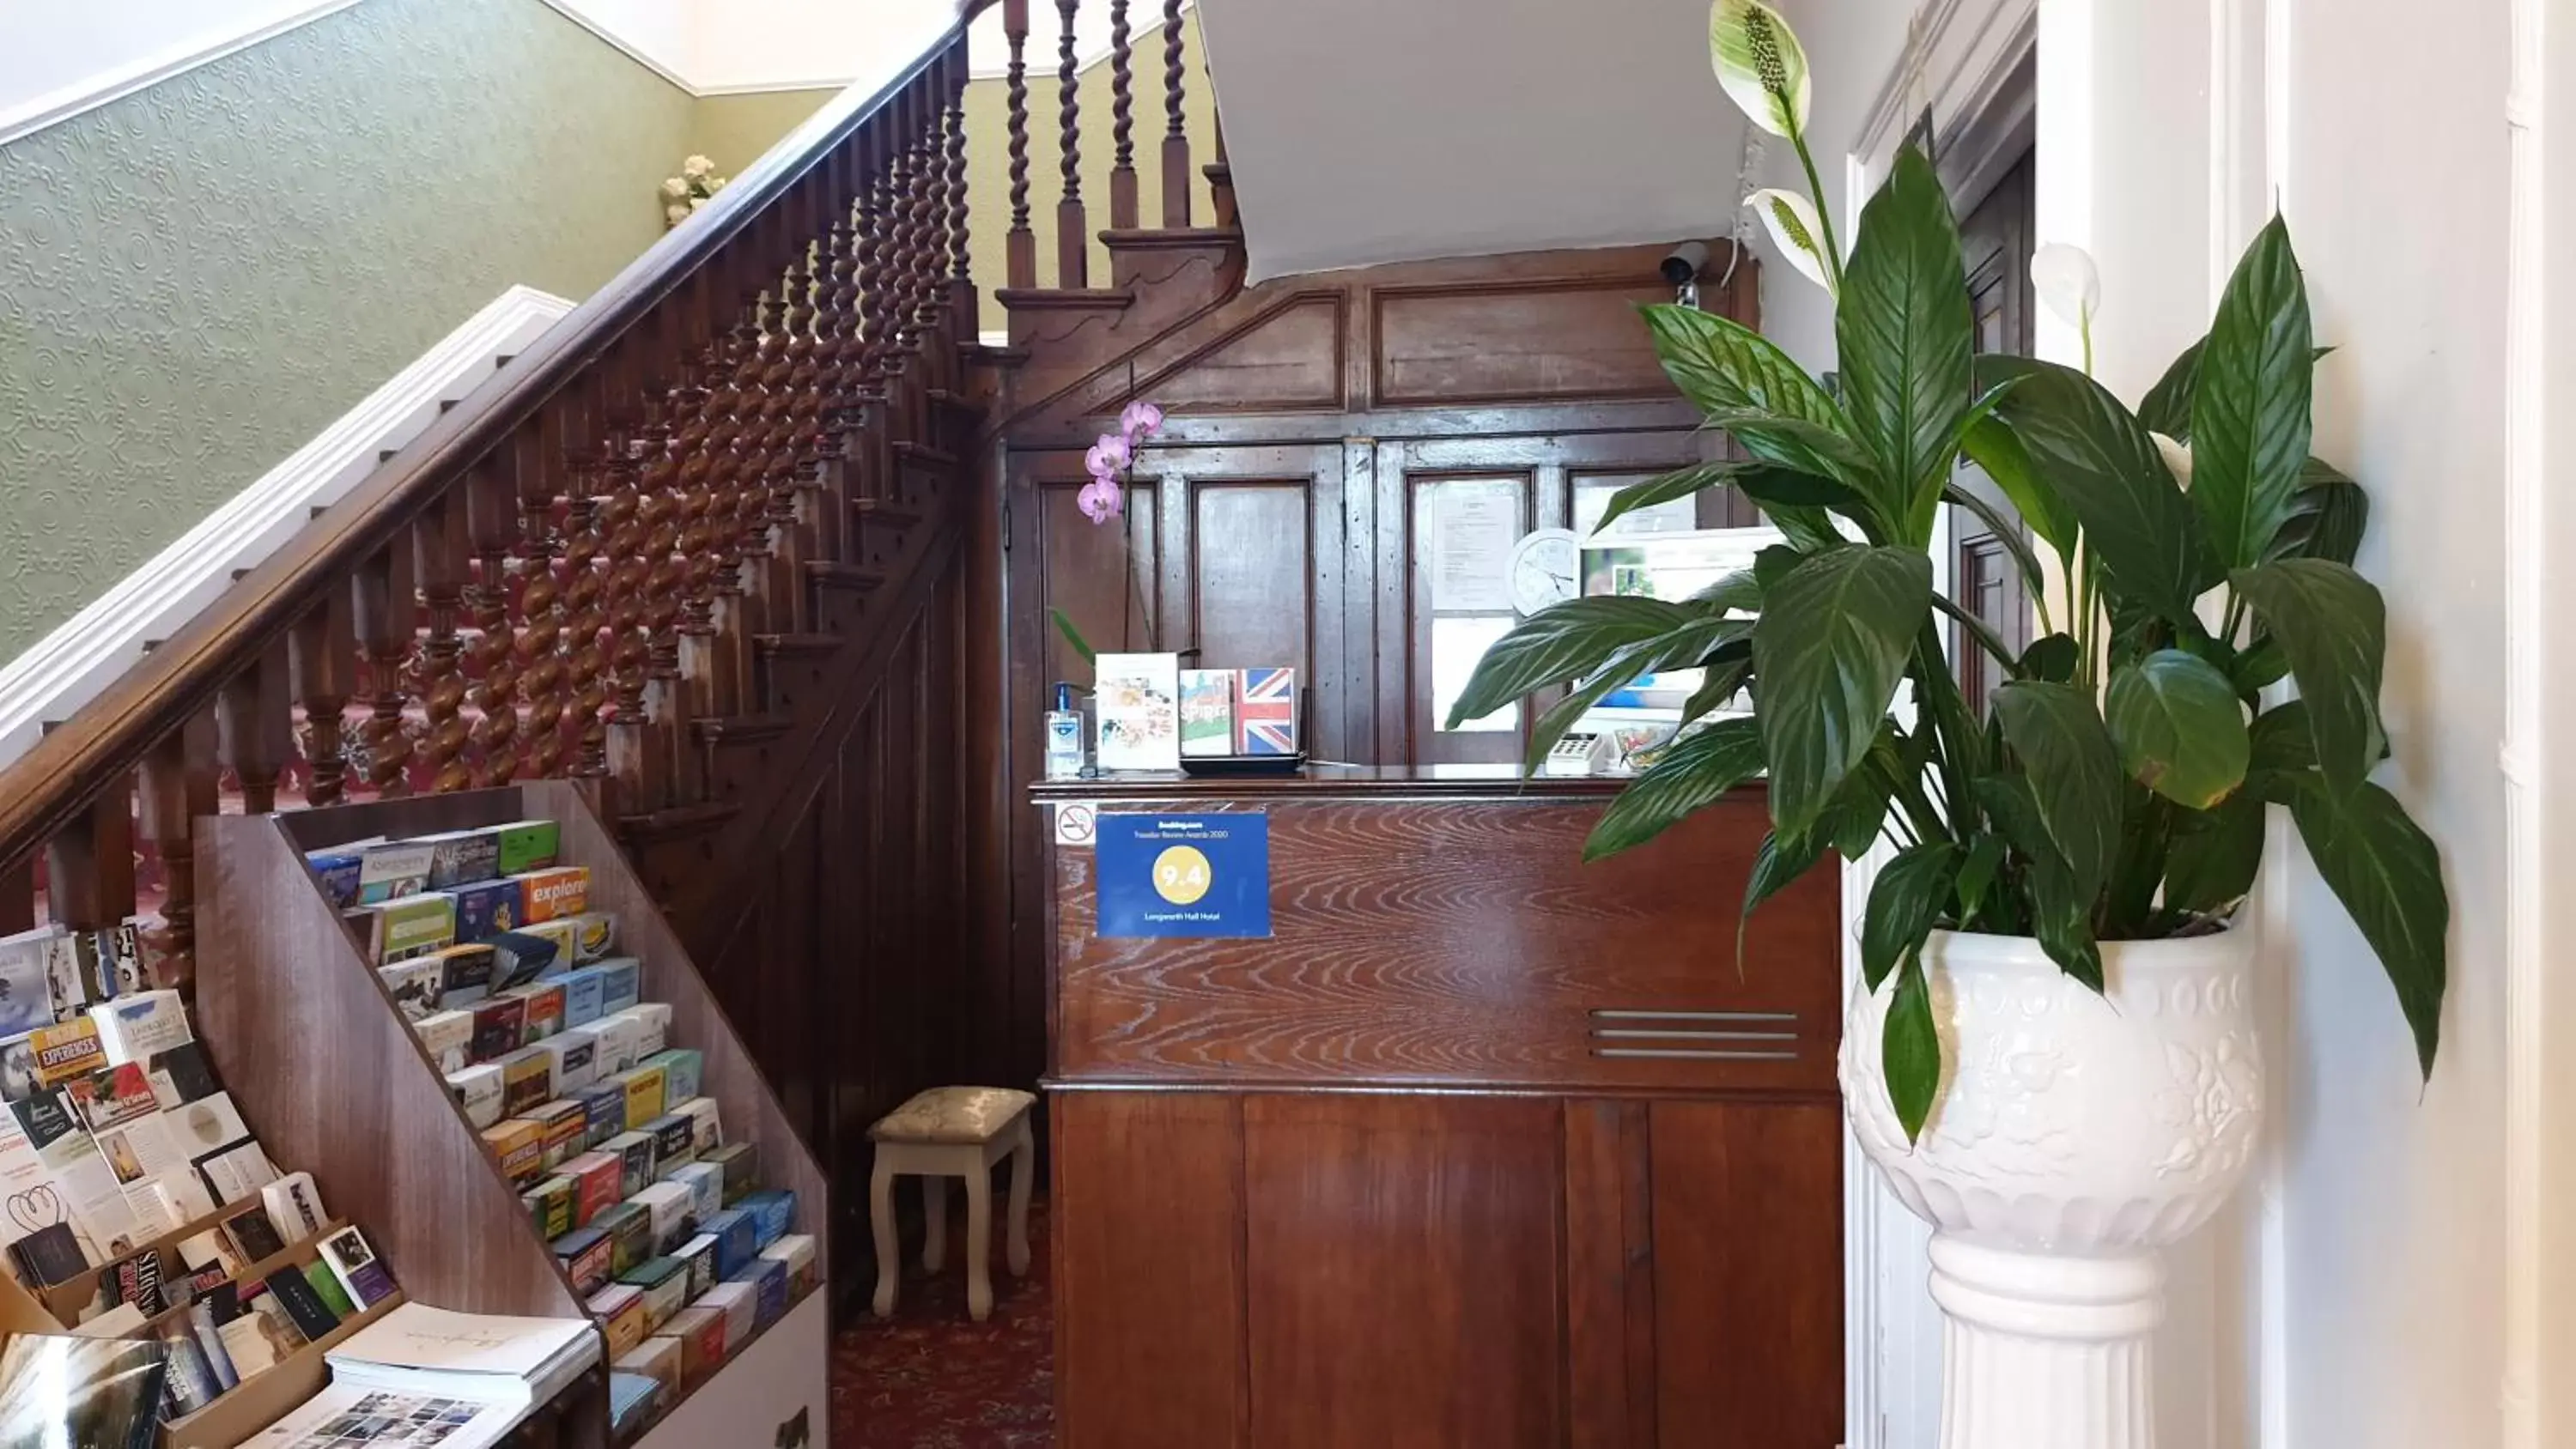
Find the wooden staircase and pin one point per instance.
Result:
(723, 546)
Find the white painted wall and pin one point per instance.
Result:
(58, 60)
(1363, 132)
(2359, 1298)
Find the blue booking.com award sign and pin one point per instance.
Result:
(1184, 875)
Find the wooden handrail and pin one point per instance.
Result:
(51, 787)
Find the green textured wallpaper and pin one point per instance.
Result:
(734, 131)
(196, 279)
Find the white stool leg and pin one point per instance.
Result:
(934, 1222)
(1024, 1166)
(979, 1244)
(881, 1221)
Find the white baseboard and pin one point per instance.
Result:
(72, 665)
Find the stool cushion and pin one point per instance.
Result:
(953, 1115)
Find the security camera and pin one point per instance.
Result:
(1683, 264)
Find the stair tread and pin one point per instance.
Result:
(1157, 238)
(1064, 299)
(743, 728)
(796, 643)
(845, 575)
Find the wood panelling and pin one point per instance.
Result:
(1609, 1275)
(1147, 1214)
(1108, 591)
(1749, 1329)
(1401, 1268)
(1286, 359)
(1252, 585)
(1461, 942)
(1514, 342)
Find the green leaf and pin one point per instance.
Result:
(1682, 648)
(2106, 467)
(1738, 590)
(2051, 657)
(1910, 1050)
(2215, 855)
(2258, 667)
(2388, 874)
(2062, 932)
(1723, 366)
(1830, 649)
(1776, 487)
(2074, 774)
(1719, 682)
(1859, 810)
(1904, 904)
(1904, 333)
(1777, 865)
(2058, 910)
(1980, 632)
(1694, 772)
(2146, 828)
(1798, 446)
(2333, 626)
(2249, 412)
(2166, 408)
(1811, 530)
(1665, 488)
(1561, 642)
(2281, 743)
(1976, 875)
(1993, 446)
(2328, 516)
(1073, 636)
(2180, 727)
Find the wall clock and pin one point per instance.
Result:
(1545, 568)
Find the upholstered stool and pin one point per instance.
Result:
(953, 1132)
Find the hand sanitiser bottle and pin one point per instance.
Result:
(1064, 737)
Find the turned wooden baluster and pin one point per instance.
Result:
(439, 543)
(1222, 193)
(668, 773)
(1022, 247)
(876, 222)
(320, 659)
(492, 529)
(89, 864)
(792, 502)
(178, 784)
(1122, 104)
(961, 277)
(586, 617)
(1072, 231)
(930, 263)
(716, 622)
(1176, 140)
(381, 609)
(254, 730)
(544, 681)
(628, 521)
(838, 352)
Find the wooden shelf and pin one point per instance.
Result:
(324, 1065)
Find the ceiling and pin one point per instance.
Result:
(1363, 132)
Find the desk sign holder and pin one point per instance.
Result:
(1184, 875)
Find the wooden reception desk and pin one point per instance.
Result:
(1480, 1147)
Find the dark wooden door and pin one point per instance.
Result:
(1996, 238)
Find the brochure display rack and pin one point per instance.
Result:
(313, 1043)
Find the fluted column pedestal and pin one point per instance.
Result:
(2045, 1352)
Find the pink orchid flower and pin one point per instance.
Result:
(1101, 500)
(1108, 456)
(1140, 420)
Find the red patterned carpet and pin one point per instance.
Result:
(932, 1378)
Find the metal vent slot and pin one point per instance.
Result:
(1689, 1055)
(1728, 1036)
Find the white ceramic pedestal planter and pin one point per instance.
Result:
(2074, 1136)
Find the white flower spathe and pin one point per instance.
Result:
(1795, 230)
(2177, 456)
(1760, 64)
(2069, 285)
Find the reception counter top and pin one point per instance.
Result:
(1478, 1145)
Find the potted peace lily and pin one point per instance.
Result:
(2051, 1055)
